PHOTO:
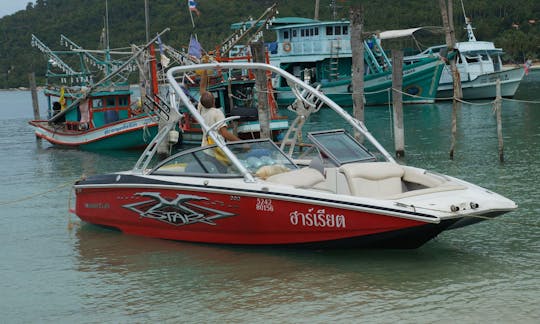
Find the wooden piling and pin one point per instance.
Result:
(257, 49)
(33, 90)
(357, 45)
(447, 13)
(498, 107)
(397, 102)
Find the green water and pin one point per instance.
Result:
(485, 273)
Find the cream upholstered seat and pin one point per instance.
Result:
(301, 178)
(373, 179)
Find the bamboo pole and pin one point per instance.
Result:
(33, 90)
(397, 102)
(357, 45)
(497, 106)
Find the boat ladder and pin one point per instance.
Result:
(334, 60)
(303, 107)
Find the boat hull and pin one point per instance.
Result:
(485, 86)
(193, 213)
(420, 82)
(246, 129)
(126, 134)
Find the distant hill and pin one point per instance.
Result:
(513, 25)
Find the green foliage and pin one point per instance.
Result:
(83, 21)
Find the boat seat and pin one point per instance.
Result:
(373, 179)
(300, 178)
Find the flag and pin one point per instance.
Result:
(193, 7)
(160, 44)
(194, 48)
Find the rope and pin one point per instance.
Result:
(2, 203)
(524, 101)
(428, 98)
(474, 103)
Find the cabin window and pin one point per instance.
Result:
(123, 101)
(111, 102)
(338, 30)
(311, 32)
(316, 31)
(302, 33)
(485, 57)
(294, 33)
(97, 103)
(472, 59)
(345, 30)
(329, 31)
(286, 34)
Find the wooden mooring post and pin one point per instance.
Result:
(357, 45)
(33, 90)
(397, 102)
(447, 14)
(497, 106)
(257, 48)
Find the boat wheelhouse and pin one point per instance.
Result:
(320, 53)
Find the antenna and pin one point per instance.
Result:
(470, 33)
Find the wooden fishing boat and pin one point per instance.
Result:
(88, 114)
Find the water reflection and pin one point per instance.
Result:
(209, 280)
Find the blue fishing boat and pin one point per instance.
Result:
(320, 53)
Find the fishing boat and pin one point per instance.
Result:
(334, 192)
(480, 66)
(88, 114)
(319, 52)
(236, 93)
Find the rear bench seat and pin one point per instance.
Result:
(387, 180)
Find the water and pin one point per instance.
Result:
(54, 271)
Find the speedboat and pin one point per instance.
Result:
(333, 192)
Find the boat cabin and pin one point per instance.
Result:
(101, 108)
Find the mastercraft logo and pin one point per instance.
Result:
(178, 211)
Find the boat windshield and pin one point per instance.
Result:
(340, 147)
(255, 155)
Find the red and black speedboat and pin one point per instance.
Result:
(254, 192)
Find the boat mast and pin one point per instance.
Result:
(470, 33)
(106, 41)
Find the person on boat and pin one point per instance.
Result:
(211, 114)
(57, 108)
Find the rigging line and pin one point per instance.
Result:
(2, 203)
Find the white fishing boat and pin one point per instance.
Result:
(480, 66)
